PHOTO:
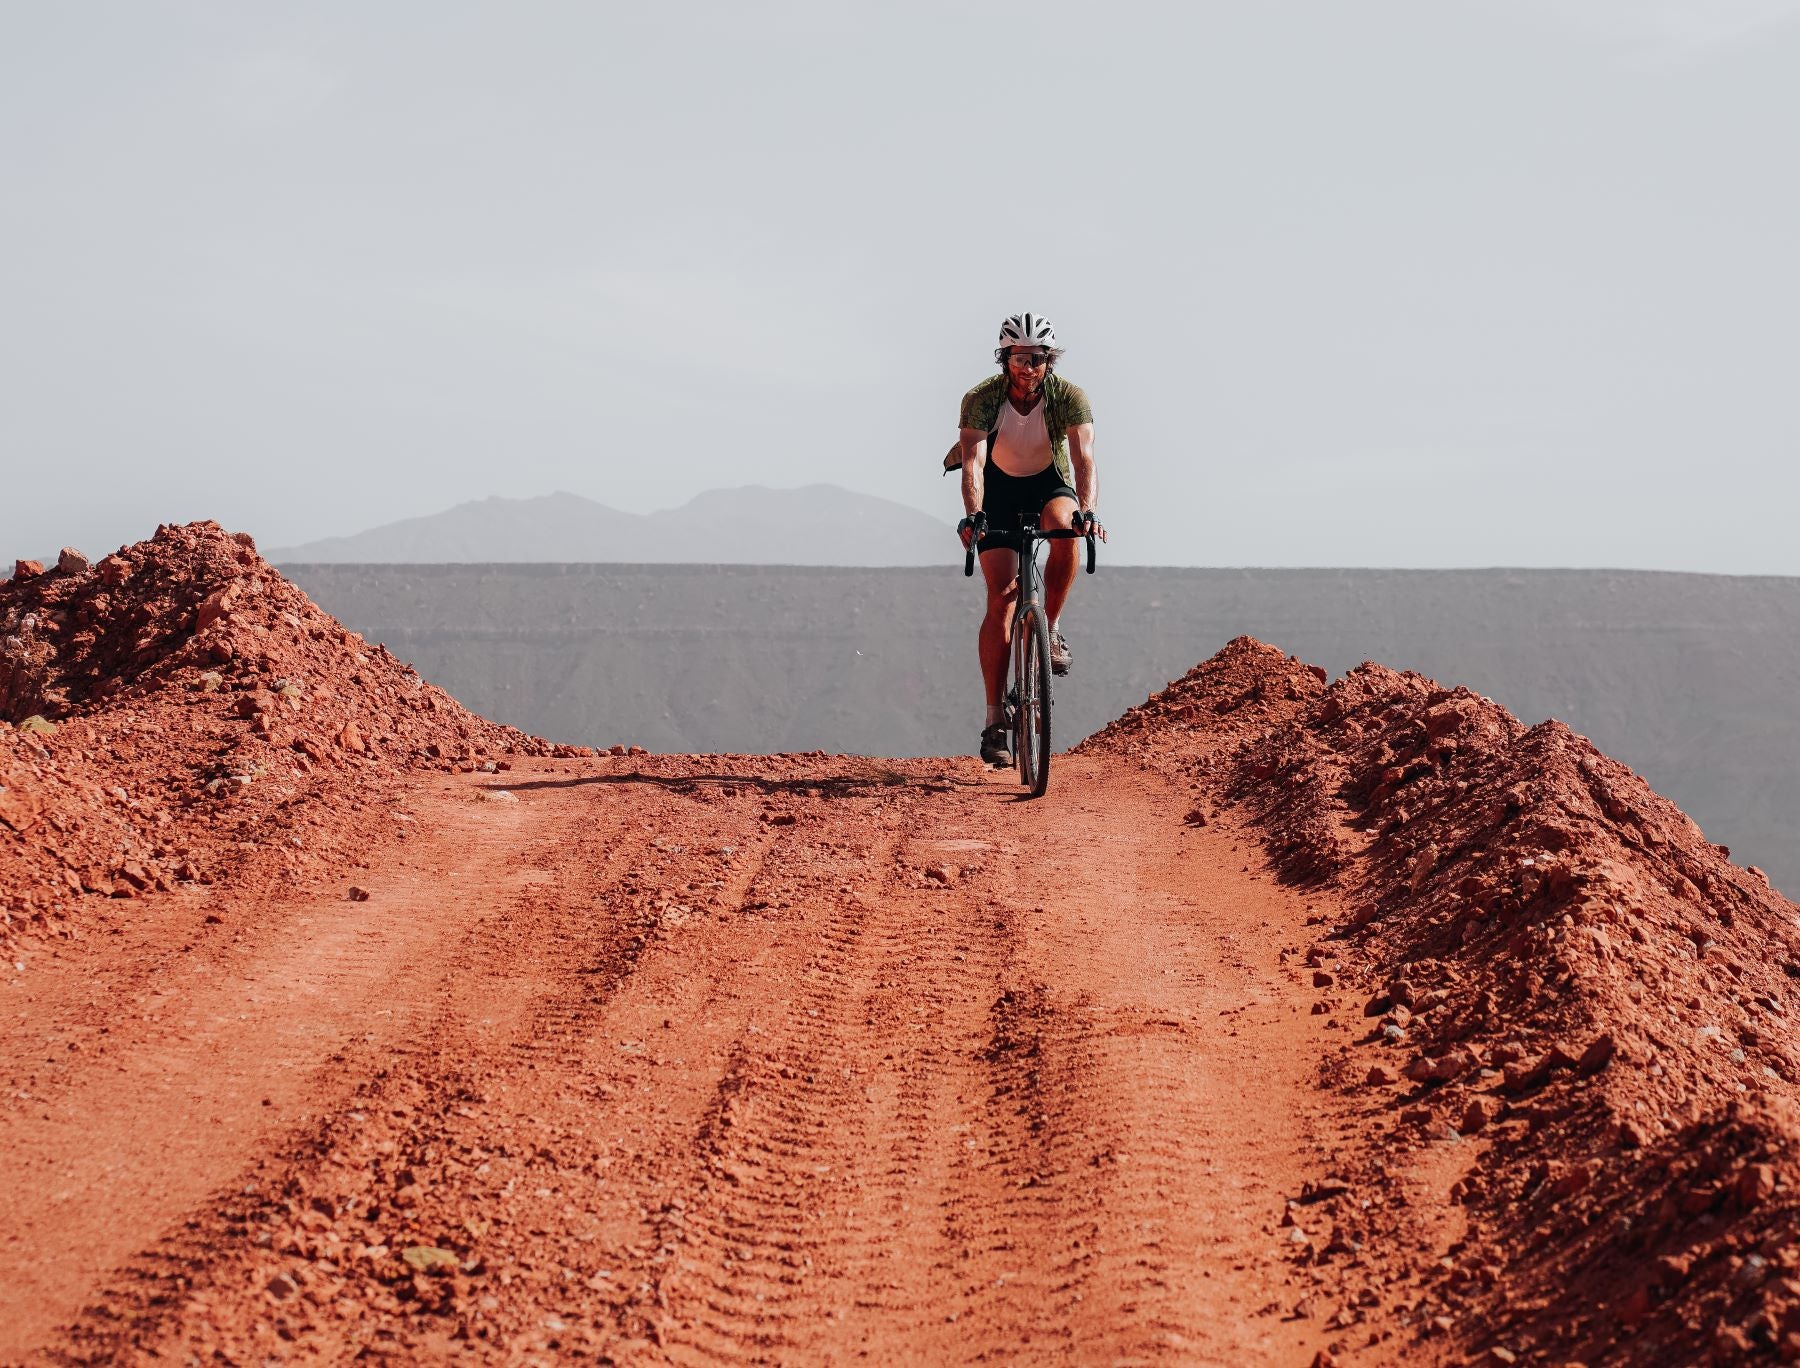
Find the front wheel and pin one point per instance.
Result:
(1032, 725)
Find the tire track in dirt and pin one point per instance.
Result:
(202, 1078)
(719, 1069)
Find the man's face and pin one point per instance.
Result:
(1026, 366)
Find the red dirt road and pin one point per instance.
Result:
(689, 1060)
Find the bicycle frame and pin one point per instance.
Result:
(1029, 665)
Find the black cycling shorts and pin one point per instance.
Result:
(1004, 497)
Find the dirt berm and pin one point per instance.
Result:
(1548, 969)
(1301, 1023)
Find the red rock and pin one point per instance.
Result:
(1595, 1057)
(1755, 1184)
(358, 893)
(1559, 1057)
(942, 874)
(1323, 978)
(1381, 1076)
(1451, 1065)
(18, 809)
(351, 738)
(71, 562)
(1672, 1269)
(1571, 1182)
(27, 569)
(1480, 1112)
(213, 608)
(1196, 817)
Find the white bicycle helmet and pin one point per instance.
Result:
(1028, 330)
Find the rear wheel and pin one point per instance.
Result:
(1032, 729)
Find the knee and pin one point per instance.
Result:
(1058, 513)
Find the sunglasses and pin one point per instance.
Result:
(1031, 359)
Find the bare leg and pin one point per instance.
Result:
(1001, 571)
(1059, 566)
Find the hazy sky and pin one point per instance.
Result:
(1403, 284)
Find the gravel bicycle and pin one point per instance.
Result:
(1028, 698)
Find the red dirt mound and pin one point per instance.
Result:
(1562, 983)
(172, 703)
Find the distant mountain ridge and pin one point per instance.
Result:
(818, 524)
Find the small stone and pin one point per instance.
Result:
(942, 874)
(1381, 1076)
(1572, 1182)
(1595, 1057)
(1672, 1269)
(71, 561)
(1323, 978)
(1480, 1112)
(427, 1257)
(351, 738)
(38, 725)
(358, 893)
(1197, 817)
(615, 750)
(1500, 1355)
(27, 569)
(1755, 1184)
(281, 1286)
(1452, 1065)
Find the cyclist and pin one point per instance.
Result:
(1027, 446)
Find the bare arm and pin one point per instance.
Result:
(974, 454)
(1081, 460)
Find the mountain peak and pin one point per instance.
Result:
(815, 524)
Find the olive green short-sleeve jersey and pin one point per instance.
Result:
(1065, 406)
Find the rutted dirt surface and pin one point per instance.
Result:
(1302, 1023)
(679, 1060)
